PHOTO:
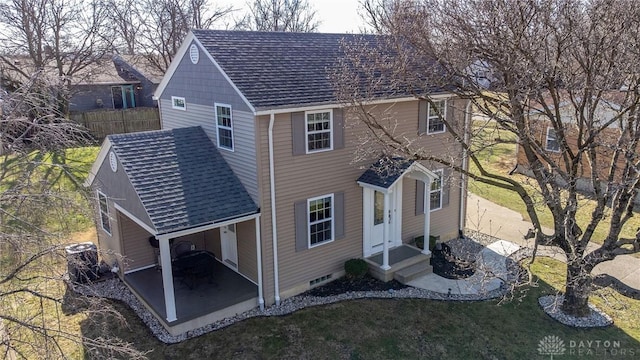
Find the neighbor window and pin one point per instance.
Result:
(318, 130)
(435, 193)
(225, 126)
(320, 213)
(178, 103)
(104, 213)
(552, 141)
(435, 115)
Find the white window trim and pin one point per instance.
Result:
(218, 126)
(444, 116)
(333, 221)
(174, 106)
(106, 201)
(546, 141)
(306, 131)
(440, 172)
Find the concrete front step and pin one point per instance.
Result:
(412, 272)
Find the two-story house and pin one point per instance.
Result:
(254, 166)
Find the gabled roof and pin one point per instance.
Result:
(274, 69)
(181, 178)
(385, 172)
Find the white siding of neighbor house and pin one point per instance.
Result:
(242, 159)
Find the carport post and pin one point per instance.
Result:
(167, 277)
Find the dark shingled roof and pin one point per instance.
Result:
(181, 178)
(384, 172)
(275, 69)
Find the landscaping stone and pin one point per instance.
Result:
(341, 290)
(551, 306)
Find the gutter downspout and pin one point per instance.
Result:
(463, 177)
(274, 230)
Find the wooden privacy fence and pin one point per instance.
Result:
(104, 122)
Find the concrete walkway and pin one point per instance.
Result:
(495, 220)
(491, 269)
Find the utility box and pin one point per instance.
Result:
(82, 262)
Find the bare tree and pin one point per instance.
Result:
(59, 38)
(156, 29)
(279, 15)
(513, 59)
(40, 199)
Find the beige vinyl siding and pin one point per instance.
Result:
(242, 158)
(303, 176)
(299, 178)
(137, 251)
(247, 260)
(444, 222)
(212, 242)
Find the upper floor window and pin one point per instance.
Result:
(224, 126)
(320, 215)
(104, 213)
(436, 112)
(551, 143)
(178, 103)
(319, 125)
(435, 193)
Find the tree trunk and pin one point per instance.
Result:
(577, 291)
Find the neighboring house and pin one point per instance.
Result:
(118, 82)
(121, 82)
(545, 133)
(255, 165)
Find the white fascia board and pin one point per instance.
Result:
(135, 219)
(373, 187)
(173, 66)
(211, 226)
(339, 105)
(416, 166)
(224, 74)
(102, 155)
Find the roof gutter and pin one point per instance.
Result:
(312, 107)
(274, 230)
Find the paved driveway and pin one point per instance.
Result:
(493, 219)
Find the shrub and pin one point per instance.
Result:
(355, 268)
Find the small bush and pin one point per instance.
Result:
(355, 268)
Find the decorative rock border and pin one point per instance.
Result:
(551, 306)
(116, 290)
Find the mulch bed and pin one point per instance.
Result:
(346, 284)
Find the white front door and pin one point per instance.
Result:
(377, 227)
(229, 245)
(373, 219)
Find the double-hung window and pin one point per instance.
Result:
(224, 126)
(104, 213)
(319, 126)
(551, 143)
(321, 219)
(435, 193)
(436, 112)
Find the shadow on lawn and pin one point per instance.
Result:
(396, 328)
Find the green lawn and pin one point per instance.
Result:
(501, 159)
(373, 329)
(400, 329)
